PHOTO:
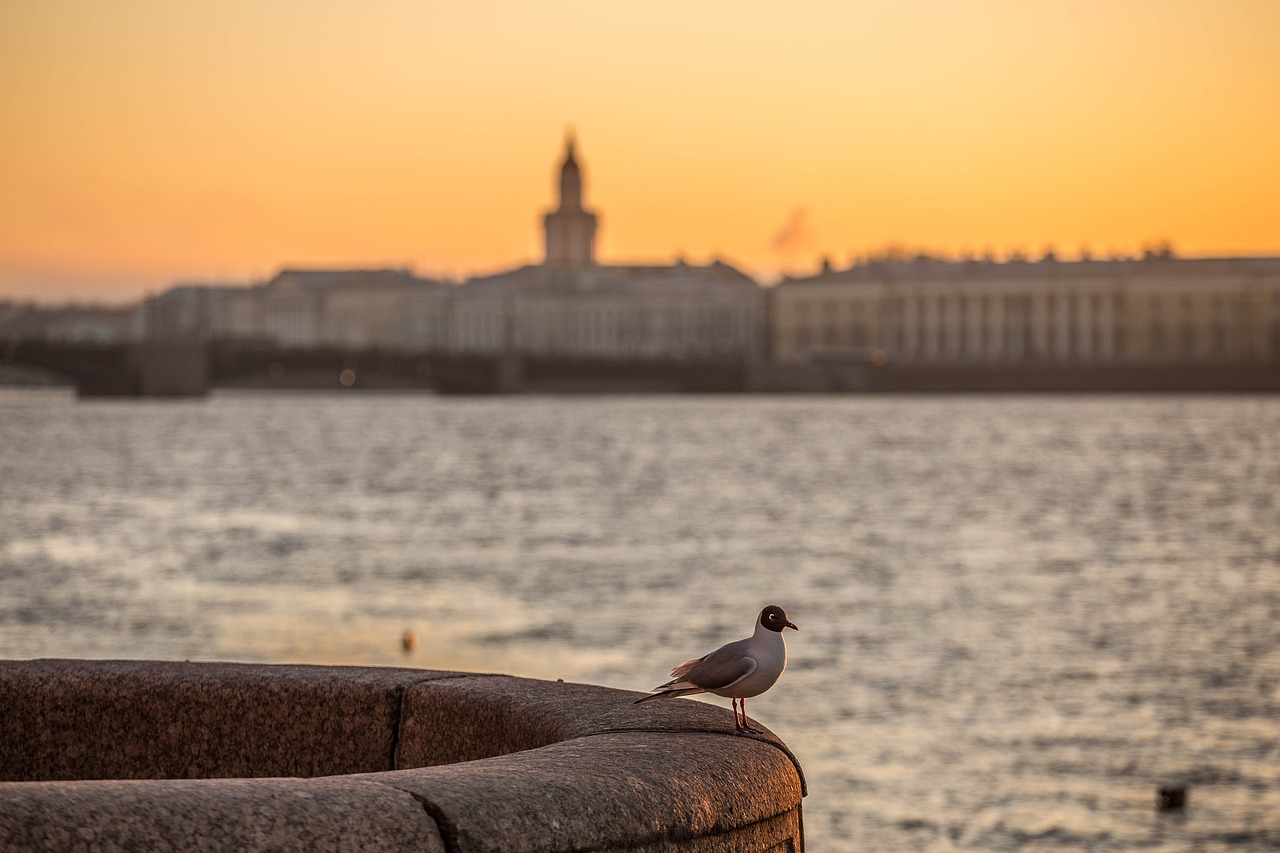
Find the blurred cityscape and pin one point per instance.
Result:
(897, 321)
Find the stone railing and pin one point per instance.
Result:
(130, 755)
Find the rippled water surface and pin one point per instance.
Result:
(1018, 614)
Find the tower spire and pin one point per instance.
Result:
(570, 176)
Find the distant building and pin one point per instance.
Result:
(191, 312)
(300, 308)
(340, 308)
(573, 306)
(610, 311)
(81, 324)
(1159, 309)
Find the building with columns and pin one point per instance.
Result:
(1155, 310)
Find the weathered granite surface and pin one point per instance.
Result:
(336, 813)
(622, 791)
(158, 720)
(406, 760)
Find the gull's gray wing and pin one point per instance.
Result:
(722, 667)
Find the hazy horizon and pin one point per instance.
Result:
(150, 143)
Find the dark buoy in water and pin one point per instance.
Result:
(409, 640)
(1171, 797)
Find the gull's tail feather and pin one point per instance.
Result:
(670, 692)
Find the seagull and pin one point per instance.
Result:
(739, 670)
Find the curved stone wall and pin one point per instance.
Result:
(127, 755)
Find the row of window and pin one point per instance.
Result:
(1069, 340)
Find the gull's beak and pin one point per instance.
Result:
(791, 625)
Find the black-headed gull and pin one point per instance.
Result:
(739, 670)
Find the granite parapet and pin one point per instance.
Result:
(120, 755)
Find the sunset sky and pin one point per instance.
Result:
(144, 142)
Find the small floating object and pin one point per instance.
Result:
(409, 640)
(1171, 797)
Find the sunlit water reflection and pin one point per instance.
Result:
(1018, 615)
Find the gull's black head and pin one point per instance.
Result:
(774, 618)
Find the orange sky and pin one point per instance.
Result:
(144, 142)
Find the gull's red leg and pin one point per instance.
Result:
(746, 725)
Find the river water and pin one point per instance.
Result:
(1018, 615)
